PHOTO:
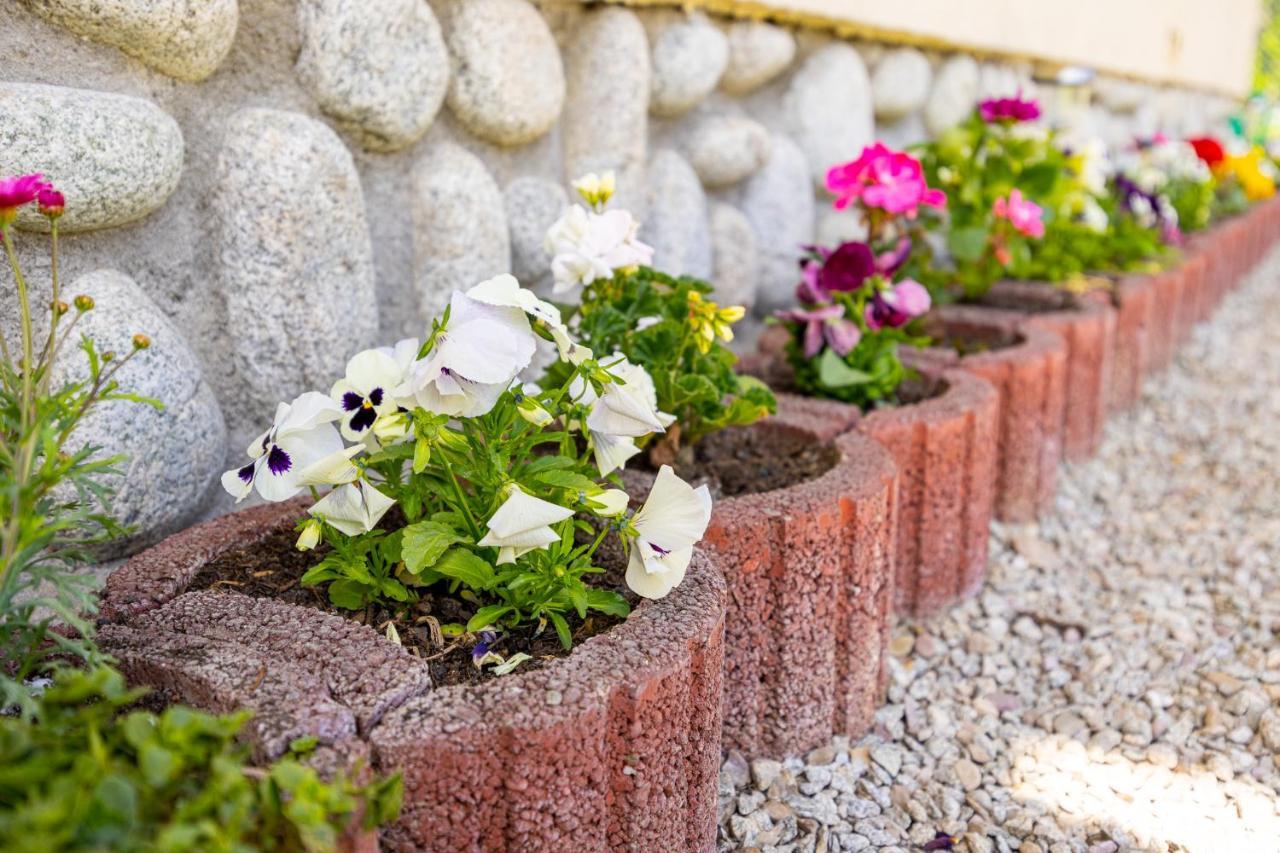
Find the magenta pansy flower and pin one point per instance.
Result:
(1023, 215)
(845, 269)
(1012, 110)
(51, 201)
(897, 306)
(824, 325)
(19, 190)
(881, 177)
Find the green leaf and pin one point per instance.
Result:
(393, 589)
(348, 594)
(834, 373)
(1039, 180)
(487, 616)
(968, 244)
(425, 542)
(421, 455)
(462, 565)
(607, 601)
(571, 480)
(548, 463)
(157, 764)
(562, 629)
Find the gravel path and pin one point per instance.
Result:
(1117, 684)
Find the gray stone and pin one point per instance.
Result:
(533, 205)
(778, 202)
(677, 226)
(173, 455)
(839, 226)
(724, 147)
(900, 83)
(997, 81)
(736, 260)
(114, 157)
(955, 89)
(295, 258)
(904, 132)
(606, 115)
(459, 228)
(689, 55)
(186, 39)
(508, 81)
(828, 107)
(758, 52)
(1121, 96)
(378, 67)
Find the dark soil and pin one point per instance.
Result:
(747, 460)
(968, 339)
(271, 569)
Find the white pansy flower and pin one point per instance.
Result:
(609, 503)
(674, 517)
(586, 246)
(301, 434)
(1093, 216)
(332, 470)
(522, 524)
(473, 360)
(621, 413)
(352, 508)
(365, 393)
(505, 292)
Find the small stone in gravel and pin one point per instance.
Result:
(968, 774)
(764, 771)
(889, 757)
(1162, 755)
(736, 769)
(821, 755)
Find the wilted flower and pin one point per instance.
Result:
(335, 469)
(609, 503)
(824, 324)
(1011, 110)
(353, 508)
(897, 306)
(476, 354)
(710, 321)
(522, 524)
(310, 536)
(663, 532)
(301, 434)
(1022, 214)
(883, 178)
(586, 246)
(482, 652)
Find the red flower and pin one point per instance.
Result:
(1209, 150)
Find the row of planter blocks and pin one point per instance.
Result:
(775, 641)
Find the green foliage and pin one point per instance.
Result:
(90, 774)
(869, 375)
(679, 344)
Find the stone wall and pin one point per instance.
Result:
(280, 183)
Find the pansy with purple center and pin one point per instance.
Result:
(897, 306)
(365, 392)
(1011, 110)
(301, 435)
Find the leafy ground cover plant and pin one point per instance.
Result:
(665, 324)
(79, 770)
(498, 469)
(853, 315)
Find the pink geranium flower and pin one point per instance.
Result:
(824, 325)
(50, 201)
(881, 177)
(897, 306)
(1012, 110)
(19, 190)
(1023, 215)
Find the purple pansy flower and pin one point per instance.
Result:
(825, 324)
(897, 306)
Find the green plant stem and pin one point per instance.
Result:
(24, 309)
(462, 498)
(46, 357)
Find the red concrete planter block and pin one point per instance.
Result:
(616, 745)
(810, 574)
(1088, 327)
(1165, 309)
(1133, 298)
(945, 450)
(1028, 368)
(1196, 304)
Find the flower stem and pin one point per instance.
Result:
(46, 356)
(24, 309)
(462, 498)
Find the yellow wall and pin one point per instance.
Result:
(1208, 44)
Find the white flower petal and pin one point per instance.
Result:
(611, 452)
(235, 486)
(307, 411)
(333, 469)
(675, 515)
(651, 584)
(522, 511)
(609, 503)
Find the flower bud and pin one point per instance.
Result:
(83, 302)
(391, 427)
(141, 341)
(50, 202)
(108, 357)
(533, 412)
(60, 307)
(609, 503)
(310, 536)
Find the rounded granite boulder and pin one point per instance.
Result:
(689, 56)
(116, 158)
(758, 52)
(900, 83)
(185, 39)
(724, 146)
(677, 226)
(295, 258)
(171, 456)
(533, 205)
(829, 108)
(379, 67)
(508, 81)
(954, 92)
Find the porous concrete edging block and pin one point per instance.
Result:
(810, 573)
(1133, 298)
(945, 450)
(1089, 330)
(617, 744)
(1030, 378)
(1166, 307)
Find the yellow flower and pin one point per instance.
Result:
(709, 321)
(596, 190)
(1247, 168)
